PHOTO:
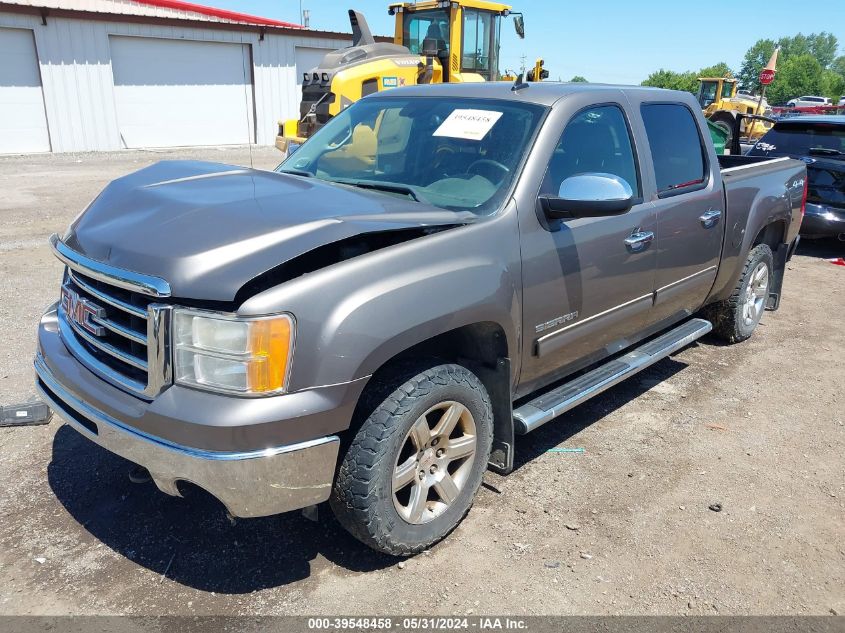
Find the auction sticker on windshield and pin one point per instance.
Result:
(469, 124)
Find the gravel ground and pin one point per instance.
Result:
(623, 527)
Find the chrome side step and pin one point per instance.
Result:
(549, 405)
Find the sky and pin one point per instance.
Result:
(611, 41)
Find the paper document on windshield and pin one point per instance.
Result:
(469, 124)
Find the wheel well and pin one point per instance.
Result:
(479, 343)
(480, 347)
(772, 235)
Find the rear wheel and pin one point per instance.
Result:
(412, 470)
(736, 318)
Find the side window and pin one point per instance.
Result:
(675, 146)
(595, 140)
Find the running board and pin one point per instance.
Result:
(548, 406)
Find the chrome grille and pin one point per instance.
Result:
(111, 322)
(122, 323)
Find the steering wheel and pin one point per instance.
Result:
(492, 163)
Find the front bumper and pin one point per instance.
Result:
(250, 482)
(821, 220)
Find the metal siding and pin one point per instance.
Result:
(182, 92)
(23, 121)
(78, 86)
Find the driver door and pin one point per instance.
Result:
(588, 283)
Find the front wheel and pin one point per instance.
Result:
(736, 318)
(412, 470)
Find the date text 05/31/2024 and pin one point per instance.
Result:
(480, 623)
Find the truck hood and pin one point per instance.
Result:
(209, 228)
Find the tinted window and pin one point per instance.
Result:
(675, 146)
(796, 139)
(596, 140)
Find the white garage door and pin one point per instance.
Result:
(171, 93)
(306, 59)
(23, 125)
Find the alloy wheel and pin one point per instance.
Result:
(434, 462)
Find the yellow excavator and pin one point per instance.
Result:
(721, 103)
(435, 41)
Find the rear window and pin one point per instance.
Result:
(797, 139)
(675, 146)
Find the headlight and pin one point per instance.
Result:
(218, 352)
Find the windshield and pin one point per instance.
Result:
(455, 153)
(432, 25)
(798, 139)
(707, 93)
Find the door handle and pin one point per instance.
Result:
(639, 240)
(710, 218)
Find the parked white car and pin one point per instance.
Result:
(842, 101)
(808, 101)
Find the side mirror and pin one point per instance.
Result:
(519, 25)
(589, 196)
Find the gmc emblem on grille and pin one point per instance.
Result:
(82, 312)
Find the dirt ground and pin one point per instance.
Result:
(623, 527)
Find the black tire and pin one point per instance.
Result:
(728, 317)
(363, 495)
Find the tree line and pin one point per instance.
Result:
(807, 65)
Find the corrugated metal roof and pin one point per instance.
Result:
(156, 9)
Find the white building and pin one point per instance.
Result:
(89, 75)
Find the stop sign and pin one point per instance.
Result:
(767, 76)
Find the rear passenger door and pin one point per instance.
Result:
(686, 190)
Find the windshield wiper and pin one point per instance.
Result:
(389, 187)
(296, 172)
(825, 151)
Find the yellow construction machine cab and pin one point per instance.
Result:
(461, 36)
(720, 103)
(713, 90)
(435, 41)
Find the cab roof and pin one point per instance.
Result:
(545, 93)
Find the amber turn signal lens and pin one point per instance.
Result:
(270, 347)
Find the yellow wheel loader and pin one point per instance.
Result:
(720, 103)
(435, 41)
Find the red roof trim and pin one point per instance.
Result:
(218, 13)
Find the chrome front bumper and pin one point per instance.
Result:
(249, 484)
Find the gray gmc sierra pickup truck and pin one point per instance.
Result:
(438, 269)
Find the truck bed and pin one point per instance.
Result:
(732, 162)
(753, 188)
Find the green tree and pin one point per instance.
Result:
(838, 65)
(820, 46)
(578, 79)
(832, 85)
(717, 70)
(673, 80)
(800, 75)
